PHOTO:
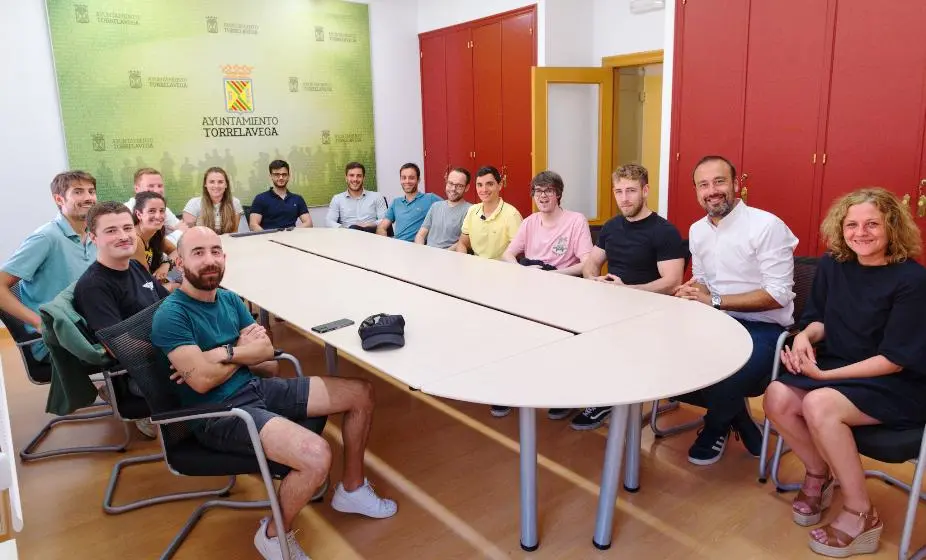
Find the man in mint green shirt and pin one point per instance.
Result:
(407, 212)
(52, 257)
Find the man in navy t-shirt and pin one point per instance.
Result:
(277, 207)
(213, 343)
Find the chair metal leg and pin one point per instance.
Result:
(202, 509)
(780, 487)
(111, 509)
(632, 449)
(28, 453)
(661, 433)
(763, 456)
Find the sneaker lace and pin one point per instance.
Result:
(589, 411)
(295, 551)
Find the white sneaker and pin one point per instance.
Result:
(269, 547)
(146, 428)
(364, 501)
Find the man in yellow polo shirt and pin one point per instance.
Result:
(489, 226)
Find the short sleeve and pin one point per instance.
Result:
(467, 220)
(903, 341)
(513, 222)
(519, 241)
(815, 305)
(583, 237)
(604, 234)
(171, 328)
(426, 223)
(258, 206)
(301, 207)
(236, 204)
(29, 257)
(381, 208)
(193, 206)
(669, 246)
(170, 219)
(390, 212)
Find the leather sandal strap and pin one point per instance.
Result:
(812, 502)
(870, 517)
(836, 537)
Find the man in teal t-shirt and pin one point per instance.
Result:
(407, 212)
(214, 344)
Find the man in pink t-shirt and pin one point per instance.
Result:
(551, 238)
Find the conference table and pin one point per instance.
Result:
(545, 340)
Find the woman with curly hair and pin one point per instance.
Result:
(216, 208)
(860, 359)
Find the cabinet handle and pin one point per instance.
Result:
(921, 206)
(906, 201)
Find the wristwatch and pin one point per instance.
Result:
(715, 300)
(230, 349)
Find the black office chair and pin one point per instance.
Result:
(39, 373)
(129, 342)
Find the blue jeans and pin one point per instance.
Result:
(726, 399)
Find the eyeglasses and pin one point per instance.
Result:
(456, 186)
(279, 175)
(541, 192)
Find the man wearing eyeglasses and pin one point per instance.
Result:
(407, 212)
(277, 207)
(551, 238)
(441, 225)
(489, 226)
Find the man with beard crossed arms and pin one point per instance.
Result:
(213, 342)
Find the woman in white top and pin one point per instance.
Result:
(217, 196)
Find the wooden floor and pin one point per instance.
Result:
(453, 470)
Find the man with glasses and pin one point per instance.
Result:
(407, 212)
(742, 262)
(551, 238)
(277, 207)
(441, 225)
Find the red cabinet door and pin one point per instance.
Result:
(517, 58)
(710, 78)
(874, 129)
(917, 202)
(434, 111)
(785, 83)
(460, 99)
(487, 98)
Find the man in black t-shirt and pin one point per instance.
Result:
(116, 286)
(643, 251)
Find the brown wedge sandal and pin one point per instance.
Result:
(840, 545)
(816, 504)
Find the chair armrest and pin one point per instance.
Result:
(192, 413)
(30, 342)
(277, 352)
(279, 355)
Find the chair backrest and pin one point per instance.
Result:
(247, 212)
(38, 372)
(805, 269)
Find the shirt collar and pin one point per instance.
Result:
(498, 209)
(65, 226)
(418, 195)
(274, 193)
(730, 219)
(363, 193)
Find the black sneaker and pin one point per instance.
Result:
(591, 418)
(500, 411)
(558, 413)
(708, 447)
(750, 434)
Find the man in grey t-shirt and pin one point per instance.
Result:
(441, 226)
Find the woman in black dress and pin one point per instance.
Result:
(860, 359)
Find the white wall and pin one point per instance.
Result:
(617, 31)
(32, 148)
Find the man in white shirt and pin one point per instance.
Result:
(356, 208)
(148, 179)
(743, 264)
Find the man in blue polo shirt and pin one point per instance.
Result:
(277, 207)
(53, 256)
(407, 211)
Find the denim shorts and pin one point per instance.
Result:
(263, 398)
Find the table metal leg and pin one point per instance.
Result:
(634, 434)
(527, 418)
(613, 456)
(331, 359)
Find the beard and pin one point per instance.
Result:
(721, 210)
(206, 284)
(635, 211)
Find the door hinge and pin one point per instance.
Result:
(824, 158)
(676, 156)
(814, 158)
(425, 153)
(420, 54)
(530, 30)
(469, 44)
(684, 2)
